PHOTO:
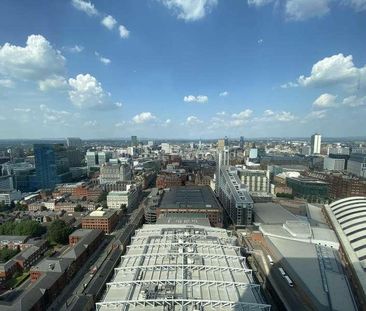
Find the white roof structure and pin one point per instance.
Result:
(348, 217)
(182, 267)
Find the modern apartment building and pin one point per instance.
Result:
(235, 197)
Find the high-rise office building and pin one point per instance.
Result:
(73, 142)
(316, 141)
(134, 142)
(222, 158)
(241, 142)
(52, 165)
(91, 159)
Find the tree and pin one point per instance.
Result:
(103, 197)
(58, 232)
(24, 227)
(79, 208)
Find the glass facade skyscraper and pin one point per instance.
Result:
(52, 165)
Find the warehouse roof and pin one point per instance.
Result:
(199, 197)
(182, 267)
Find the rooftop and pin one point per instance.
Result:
(182, 267)
(199, 197)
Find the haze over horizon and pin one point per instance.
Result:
(167, 68)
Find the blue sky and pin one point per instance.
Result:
(182, 68)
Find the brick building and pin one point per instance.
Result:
(105, 220)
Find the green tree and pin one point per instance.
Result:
(24, 227)
(103, 197)
(79, 208)
(58, 232)
(6, 254)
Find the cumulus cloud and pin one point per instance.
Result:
(7, 83)
(55, 82)
(120, 124)
(190, 10)
(38, 60)
(221, 113)
(91, 123)
(109, 22)
(123, 32)
(300, 10)
(325, 100)
(102, 59)
(85, 6)
(336, 70)
(317, 114)
(354, 101)
(260, 41)
(289, 85)
(224, 93)
(143, 117)
(74, 49)
(259, 3)
(357, 5)
(193, 120)
(245, 114)
(201, 99)
(87, 92)
(281, 116)
(54, 116)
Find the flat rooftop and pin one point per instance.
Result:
(199, 197)
(271, 213)
(182, 267)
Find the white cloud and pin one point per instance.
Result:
(74, 49)
(202, 99)
(38, 60)
(221, 113)
(123, 32)
(268, 113)
(109, 22)
(281, 116)
(325, 100)
(260, 41)
(300, 10)
(318, 114)
(224, 93)
(102, 59)
(120, 124)
(193, 120)
(143, 117)
(91, 123)
(190, 10)
(56, 82)
(357, 5)
(259, 3)
(289, 85)
(168, 121)
(87, 92)
(54, 116)
(118, 104)
(336, 70)
(85, 6)
(354, 101)
(7, 83)
(245, 114)
(22, 109)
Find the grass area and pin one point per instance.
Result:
(17, 279)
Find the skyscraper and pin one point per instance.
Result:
(241, 143)
(134, 141)
(316, 141)
(52, 165)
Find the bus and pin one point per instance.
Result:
(283, 273)
(270, 260)
(289, 281)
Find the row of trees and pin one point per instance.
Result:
(23, 227)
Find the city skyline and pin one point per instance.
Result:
(164, 68)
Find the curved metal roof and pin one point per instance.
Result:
(350, 214)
